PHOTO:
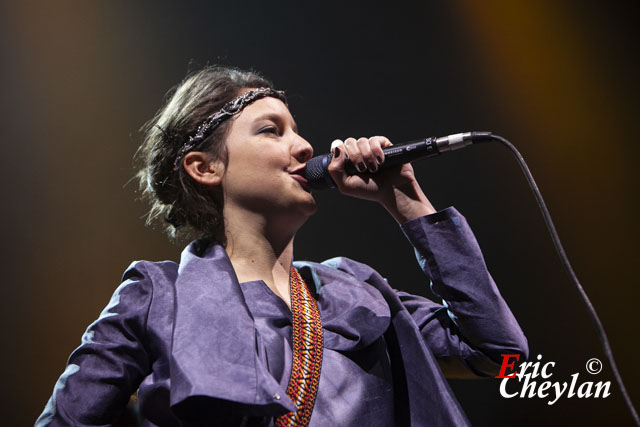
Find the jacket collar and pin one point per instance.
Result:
(213, 351)
(214, 334)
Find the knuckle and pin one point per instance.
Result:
(363, 144)
(336, 143)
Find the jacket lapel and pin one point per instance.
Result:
(214, 337)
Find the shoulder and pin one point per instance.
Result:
(141, 283)
(341, 267)
(331, 276)
(151, 272)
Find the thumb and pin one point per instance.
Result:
(336, 167)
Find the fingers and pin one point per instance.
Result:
(338, 151)
(366, 153)
(336, 167)
(358, 152)
(379, 142)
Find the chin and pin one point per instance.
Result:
(309, 207)
(297, 213)
(299, 202)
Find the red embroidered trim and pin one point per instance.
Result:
(307, 354)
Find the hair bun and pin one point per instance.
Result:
(175, 217)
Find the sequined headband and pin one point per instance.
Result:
(230, 109)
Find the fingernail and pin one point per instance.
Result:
(361, 167)
(379, 159)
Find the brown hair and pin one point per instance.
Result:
(189, 209)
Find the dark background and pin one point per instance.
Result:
(559, 79)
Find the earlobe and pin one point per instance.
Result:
(203, 168)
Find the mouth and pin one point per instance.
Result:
(298, 175)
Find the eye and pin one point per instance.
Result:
(269, 129)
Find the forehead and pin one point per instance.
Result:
(265, 106)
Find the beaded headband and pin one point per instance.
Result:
(230, 109)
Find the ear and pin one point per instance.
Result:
(203, 168)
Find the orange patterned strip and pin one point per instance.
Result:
(307, 354)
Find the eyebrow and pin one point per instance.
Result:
(275, 118)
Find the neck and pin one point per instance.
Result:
(260, 249)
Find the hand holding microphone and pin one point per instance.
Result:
(396, 189)
(360, 168)
(319, 176)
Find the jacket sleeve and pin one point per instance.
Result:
(473, 326)
(110, 363)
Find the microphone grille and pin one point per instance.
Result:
(317, 172)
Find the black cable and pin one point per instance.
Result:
(485, 137)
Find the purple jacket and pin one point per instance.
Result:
(183, 336)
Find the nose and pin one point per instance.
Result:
(301, 149)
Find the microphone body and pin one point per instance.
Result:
(317, 170)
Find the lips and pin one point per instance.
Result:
(298, 175)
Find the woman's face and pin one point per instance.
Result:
(266, 158)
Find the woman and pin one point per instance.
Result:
(234, 335)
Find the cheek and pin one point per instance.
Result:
(254, 174)
(257, 164)
(251, 154)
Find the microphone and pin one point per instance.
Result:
(317, 170)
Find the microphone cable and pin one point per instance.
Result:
(481, 137)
